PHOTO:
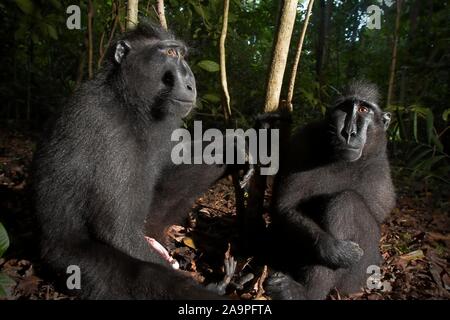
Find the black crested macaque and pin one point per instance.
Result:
(331, 198)
(105, 172)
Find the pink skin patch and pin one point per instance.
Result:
(162, 252)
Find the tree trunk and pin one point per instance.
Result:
(280, 53)
(122, 15)
(251, 223)
(161, 14)
(394, 55)
(132, 14)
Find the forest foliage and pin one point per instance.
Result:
(43, 62)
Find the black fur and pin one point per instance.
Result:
(105, 171)
(330, 199)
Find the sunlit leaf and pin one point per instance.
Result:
(414, 255)
(189, 242)
(209, 65)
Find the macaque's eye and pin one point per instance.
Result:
(362, 109)
(172, 52)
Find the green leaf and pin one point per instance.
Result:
(56, 4)
(421, 111)
(20, 32)
(401, 125)
(415, 126)
(4, 240)
(52, 32)
(418, 158)
(430, 126)
(428, 164)
(199, 10)
(5, 283)
(393, 132)
(209, 65)
(35, 38)
(211, 97)
(437, 143)
(26, 6)
(446, 114)
(414, 151)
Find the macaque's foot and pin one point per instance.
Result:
(340, 253)
(280, 286)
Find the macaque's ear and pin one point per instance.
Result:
(122, 49)
(386, 116)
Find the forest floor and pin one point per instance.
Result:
(415, 244)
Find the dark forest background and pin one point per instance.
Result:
(42, 61)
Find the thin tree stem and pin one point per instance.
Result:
(223, 70)
(132, 14)
(394, 55)
(280, 53)
(161, 14)
(297, 56)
